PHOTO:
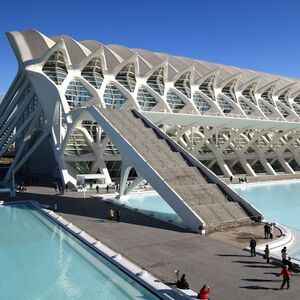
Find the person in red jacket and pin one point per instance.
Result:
(286, 277)
(203, 293)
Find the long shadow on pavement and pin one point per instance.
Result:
(233, 255)
(72, 204)
(259, 266)
(248, 262)
(262, 280)
(256, 287)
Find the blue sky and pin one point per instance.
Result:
(260, 35)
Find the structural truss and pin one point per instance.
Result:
(235, 121)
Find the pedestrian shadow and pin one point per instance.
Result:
(232, 255)
(272, 273)
(259, 266)
(248, 262)
(261, 280)
(256, 287)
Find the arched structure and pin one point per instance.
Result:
(234, 121)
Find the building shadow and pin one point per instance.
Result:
(91, 207)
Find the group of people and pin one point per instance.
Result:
(286, 260)
(112, 214)
(253, 249)
(268, 230)
(287, 268)
(182, 283)
(239, 179)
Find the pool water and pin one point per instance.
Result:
(278, 202)
(41, 260)
(153, 205)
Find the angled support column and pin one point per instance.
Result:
(223, 166)
(264, 162)
(296, 155)
(211, 163)
(125, 169)
(287, 168)
(134, 184)
(207, 134)
(245, 164)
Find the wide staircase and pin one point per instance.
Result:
(204, 198)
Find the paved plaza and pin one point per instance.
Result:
(161, 248)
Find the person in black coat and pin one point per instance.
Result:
(182, 283)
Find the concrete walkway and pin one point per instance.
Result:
(161, 248)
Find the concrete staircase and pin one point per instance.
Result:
(205, 199)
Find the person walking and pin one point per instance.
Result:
(118, 214)
(253, 246)
(107, 188)
(286, 274)
(111, 214)
(267, 254)
(97, 188)
(204, 292)
(284, 255)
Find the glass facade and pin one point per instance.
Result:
(145, 99)
(207, 87)
(113, 97)
(200, 103)
(296, 109)
(267, 95)
(228, 90)
(264, 109)
(55, 68)
(127, 77)
(248, 92)
(246, 108)
(183, 84)
(283, 98)
(77, 144)
(76, 94)
(175, 103)
(156, 81)
(224, 105)
(92, 72)
(282, 110)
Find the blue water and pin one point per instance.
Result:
(152, 204)
(40, 260)
(278, 202)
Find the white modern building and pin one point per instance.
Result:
(55, 118)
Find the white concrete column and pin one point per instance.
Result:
(245, 164)
(125, 169)
(134, 184)
(264, 162)
(285, 165)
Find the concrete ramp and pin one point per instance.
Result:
(201, 205)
